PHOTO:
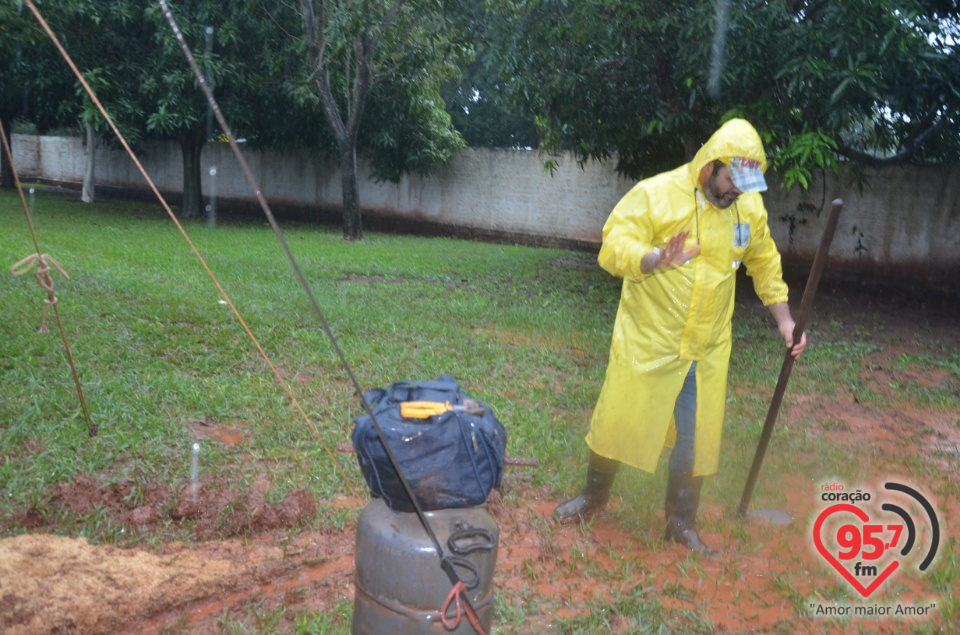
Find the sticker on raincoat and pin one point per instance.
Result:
(741, 234)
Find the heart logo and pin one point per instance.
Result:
(853, 538)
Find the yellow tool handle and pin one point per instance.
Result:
(427, 409)
(423, 409)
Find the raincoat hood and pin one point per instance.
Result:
(736, 138)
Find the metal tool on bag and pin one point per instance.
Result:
(427, 409)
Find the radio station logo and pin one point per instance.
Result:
(866, 539)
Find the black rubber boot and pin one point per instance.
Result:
(683, 499)
(601, 472)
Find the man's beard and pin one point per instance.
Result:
(712, 192)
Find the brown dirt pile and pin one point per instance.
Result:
(50, 584)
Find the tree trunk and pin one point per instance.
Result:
(352, 226)
(6, 171)
(191, 145)
(356, 89)
(88, 193)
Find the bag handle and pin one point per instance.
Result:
(406, 390)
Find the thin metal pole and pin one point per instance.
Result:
(811, 290)
(446, 563)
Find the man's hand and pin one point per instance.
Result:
(786, 326)
(786, 330)
(670, 256)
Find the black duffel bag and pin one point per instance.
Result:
(450, 460)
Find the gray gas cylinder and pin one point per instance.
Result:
(399, 584)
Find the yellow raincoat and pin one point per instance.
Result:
(668, 319)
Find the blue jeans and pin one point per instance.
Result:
(685, 415)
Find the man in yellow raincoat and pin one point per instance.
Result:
(677, 240)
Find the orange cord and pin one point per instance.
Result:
(166, 207)
(463, 608)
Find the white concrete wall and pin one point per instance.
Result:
(493, 190)
(905, 218)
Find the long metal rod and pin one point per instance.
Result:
(446, 564)
(811, 290)
(153, 187)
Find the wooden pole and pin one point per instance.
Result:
(812, 281)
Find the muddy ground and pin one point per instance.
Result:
(51, 584)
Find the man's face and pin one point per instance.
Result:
(719, 188)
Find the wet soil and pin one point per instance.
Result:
(267, 553)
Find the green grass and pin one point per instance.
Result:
(156, 349)
(636, 612)
(524, 329)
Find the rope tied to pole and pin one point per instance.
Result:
(42, 263)
(43, 276)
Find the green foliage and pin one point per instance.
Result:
(648, 82)
(406, 127)
(224, 39)
(254, 58)
(408, 131)
(329, 622)
(645, 82)
(477, 100)
(805, 153)
(373, 70)
(34, 83)
(479, 111)
(588, 71)
(170, 84)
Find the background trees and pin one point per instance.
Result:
(393, 53)
(408, 82)
(476, 99)
(226, 39)
(868, 80)
(34, 85)
(128, 54)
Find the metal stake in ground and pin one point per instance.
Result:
(812, 281)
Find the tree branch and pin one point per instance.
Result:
(313, 25)
(365, 48)
(912, 143)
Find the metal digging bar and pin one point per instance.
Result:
(808, 294)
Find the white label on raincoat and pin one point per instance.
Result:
(741, 234)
